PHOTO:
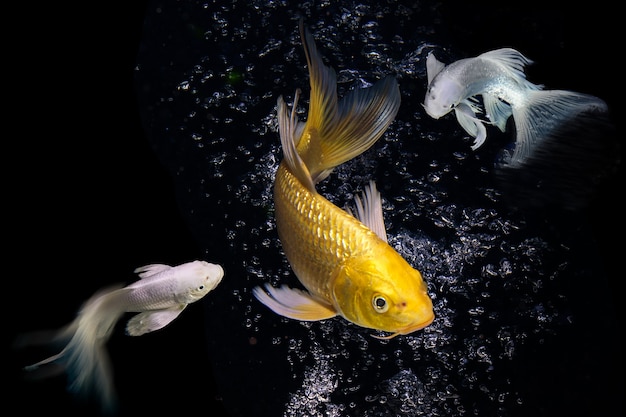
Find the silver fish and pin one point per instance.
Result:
(498, 77)
(161, 294)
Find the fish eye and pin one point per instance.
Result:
(380, 304)
(201, 287)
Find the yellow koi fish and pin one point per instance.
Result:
(343, 261)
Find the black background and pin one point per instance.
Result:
(86, 201)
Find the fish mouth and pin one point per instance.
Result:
(408, 329)
(414, 327)
(428, 112)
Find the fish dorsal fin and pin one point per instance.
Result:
(433, 67)
(497, 111)
(513, 61)
(150, 270)
(337, 131)
(293, 303)
(369, 210)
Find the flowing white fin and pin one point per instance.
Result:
(497, 111)
(293, 303)
(149, 321)
(547, 111)
(84, 358)
(369, 210)
(149, 270)
(565, 169)
(465, 114)
(433, 67)
(511, 59)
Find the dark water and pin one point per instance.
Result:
(169, 156)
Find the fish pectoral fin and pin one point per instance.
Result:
(149, 321)
(471, 124)
(293, 303)
(497, 111)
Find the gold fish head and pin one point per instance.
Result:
(383, 293)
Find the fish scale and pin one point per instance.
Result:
(305, 219)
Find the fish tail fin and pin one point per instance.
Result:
(546, 114)
(52, 365)
(84, 357)
(336, 130)
(566, 148)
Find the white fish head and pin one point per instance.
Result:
(198, 278)
(443, 94)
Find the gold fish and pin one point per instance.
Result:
(343, 260)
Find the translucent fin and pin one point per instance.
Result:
(38, 371)
(337, 131)
(46, 361)
(287, 127)
(545, 112)
(46, 337)
(369, 210)
(466, 117)
(149, 321)
(510, 58)
(433, 67)
(293, 303)
(150, 270)
(90, 372)
(84, 357)
(566, 169)
(497, 111)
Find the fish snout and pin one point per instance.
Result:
(420, 324)
(430, 112)
(421, 315)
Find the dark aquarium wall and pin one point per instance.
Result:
(147, 133)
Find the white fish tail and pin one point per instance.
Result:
(84, 357)
(544, 114)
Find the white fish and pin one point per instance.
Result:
(498, 76)
(159, 297)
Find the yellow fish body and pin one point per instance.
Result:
(343, 260)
